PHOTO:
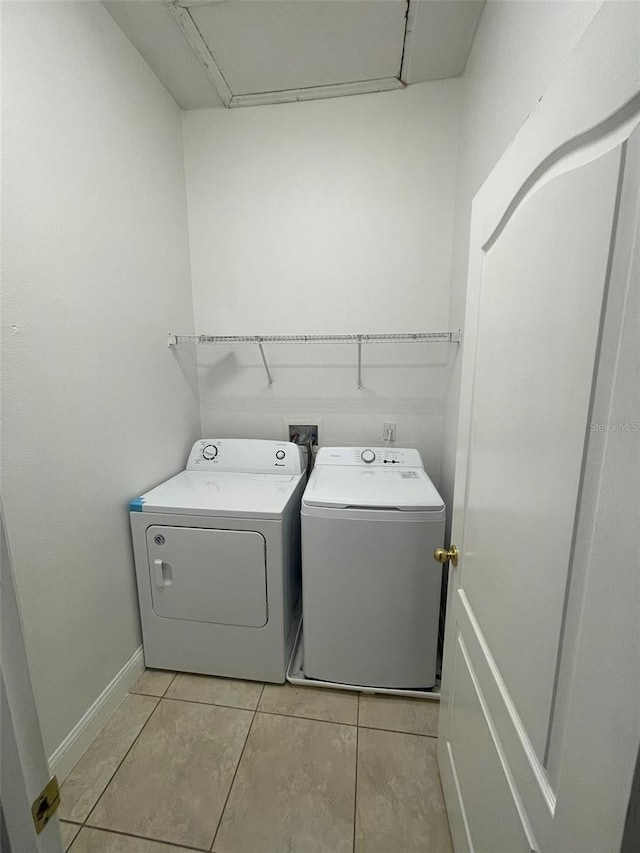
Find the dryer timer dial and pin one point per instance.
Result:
(209, 452)
(368, 456)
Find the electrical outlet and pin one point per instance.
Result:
(302, 430)
(389, 431)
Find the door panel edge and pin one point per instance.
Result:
(529, 774)
(509, 828)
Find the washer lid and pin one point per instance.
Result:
(223, 494)
(407, 489)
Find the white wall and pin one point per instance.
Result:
(327, 216)
(96, 269)
(518, 50)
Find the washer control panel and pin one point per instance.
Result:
(246, 455)
(378, 457)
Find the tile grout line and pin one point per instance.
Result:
(211, 704)
(168, 687)
(144, 838)
(398, 732)
(308, 719)
(295, 716)
(134, 692)
(135, 740)
(259, 710)
(67, 849)
(244, 746)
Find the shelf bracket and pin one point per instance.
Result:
(264, 360)
(172, 340)
(359, 362)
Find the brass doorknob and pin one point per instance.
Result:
(443, 556)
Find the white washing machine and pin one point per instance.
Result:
(217, 555)
(371, 518)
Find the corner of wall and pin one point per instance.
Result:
(70, 751)
(194, 328)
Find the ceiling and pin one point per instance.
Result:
(246, 52)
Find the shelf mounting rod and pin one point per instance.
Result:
(264, 361)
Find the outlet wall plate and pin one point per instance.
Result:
(389, 431)
(303, 421)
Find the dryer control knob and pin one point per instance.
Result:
(368, 456)
(280, 454)
(210, 451)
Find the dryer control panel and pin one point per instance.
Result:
(246, 456)
(378, 457)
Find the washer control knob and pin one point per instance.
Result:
(280, 454)
(368, 456)
(209, 451)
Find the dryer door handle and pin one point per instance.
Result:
(159, 574)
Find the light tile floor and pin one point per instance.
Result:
(189, 762)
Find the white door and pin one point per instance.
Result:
(24, 771)
(540, 717)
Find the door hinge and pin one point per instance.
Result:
(45, 805)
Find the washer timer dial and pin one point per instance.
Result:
(209, 452)
(368, 456)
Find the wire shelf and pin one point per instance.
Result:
(409, 337)
(260, 340)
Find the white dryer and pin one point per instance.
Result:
(371, 518)
(217, 560)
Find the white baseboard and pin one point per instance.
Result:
(72, 748)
